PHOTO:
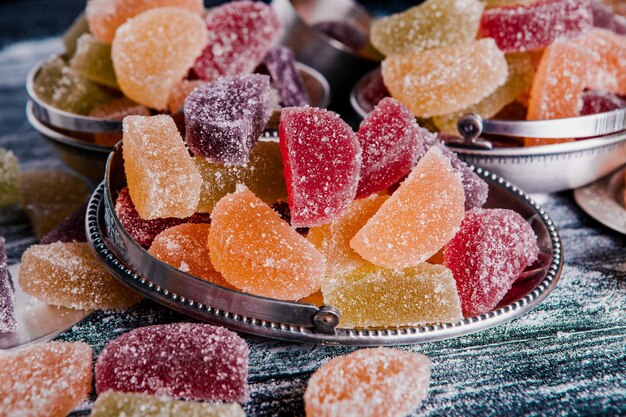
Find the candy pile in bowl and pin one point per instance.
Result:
(385, 224)
(138, 57)
(507, 59)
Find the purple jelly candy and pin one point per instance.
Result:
(342, 32)
(180, 360)
(599, 102)
(8, 322)
(225, 118)
(144, 231)
(72, 229)
(280, 64)
(603, 17)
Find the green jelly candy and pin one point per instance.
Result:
(432, 24)
(60, 86)
(263, 175)
(92, 60)
(9, 178)
(521, 73)
(117, 404)
(70, 37)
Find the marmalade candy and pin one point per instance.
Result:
(9, 178)
(116, 109)
(8, 320)
(92, 60)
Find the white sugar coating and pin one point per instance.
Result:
(118, 404)
(377, 297)
(163, 180)
(444, 80)
(224, 119)
(154, 50)
(48, 379)
(432, 24)
(69, 275)
(381, 382)
(180, 360)
(322, 158)
(9, 178)
(8, 322)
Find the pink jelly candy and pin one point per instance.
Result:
(240, 34)
(534, 26)
(144, 231)
(225, 118)
(8, 322)
(181, 360)
(599, 102)
(322, 160)
(391, 141)
(487, 255)
(72, 229)
(605, 18)
(280, 64)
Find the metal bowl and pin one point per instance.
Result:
(135, 267)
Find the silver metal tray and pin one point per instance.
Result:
(298, 321)
(37, 321)
(604, 200)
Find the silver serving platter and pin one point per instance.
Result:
(604, 200)
(37, 321)
(299, 321)
(538, 169)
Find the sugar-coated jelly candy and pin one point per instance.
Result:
(116, 109)
(342, 32)
(521, 72)
(432, 24)
(280, 64)
(162, 179)
(68, 275)
(421, 216)
(464, 75)
(92, 60)
(224, 119)
(599, 102)
(608, 52)
(558, 85)
(9, 178)
(487, 255)
(316, 299)
(70, 38)
(537, 25)
(48, 379)
(377, 297)
(71, 229)
(263, 175)
(119, 404)
(322, 159)
(506, 3)
(144, 231)
(604, 17)
(185, 247)
(372, 91)
(8, 322)
(380, 382)
(105, 16)
(391, 141)
(180, 360)
(60, 86)
(258, 252)
(48, 197)
(618, 6)
(333, 239)
(240, 34)
(179, 93)
(154, 50)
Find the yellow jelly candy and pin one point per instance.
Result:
(445, 80)
(162, 179)
(418, 219)
(154, 51)
(92, 60)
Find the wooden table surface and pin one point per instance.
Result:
(567, 357)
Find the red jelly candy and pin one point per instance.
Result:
(487, 255)
(144, 231)
(391, 141)
(240, 34)
(604, 17)
(534, 26)
(322, 160)
(181, 360)
(599, 102)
